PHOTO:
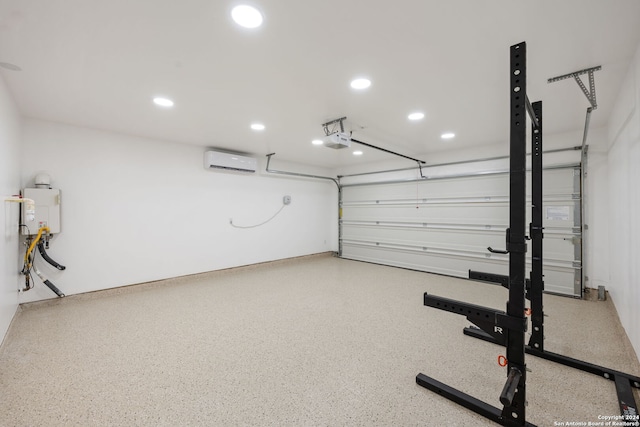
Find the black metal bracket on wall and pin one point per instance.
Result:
(512, 324)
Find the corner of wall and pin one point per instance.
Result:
(10, 147)
(624, 202)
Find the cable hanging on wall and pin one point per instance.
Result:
(286, 200)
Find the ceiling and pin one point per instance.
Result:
(98, 64)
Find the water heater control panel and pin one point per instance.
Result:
(44, 212)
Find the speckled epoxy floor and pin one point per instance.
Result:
(304, 342)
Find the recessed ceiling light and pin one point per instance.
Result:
(247, 16)
(416, 116)
(317, 142)
(163, 102)
(448, 135)
(357, 153)
(360, 83)
(257, 126)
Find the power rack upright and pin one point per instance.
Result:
(510, 326)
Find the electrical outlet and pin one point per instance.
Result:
(286, 200)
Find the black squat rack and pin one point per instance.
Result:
(624, 383)
(507, 327)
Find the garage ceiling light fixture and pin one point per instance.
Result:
(163, 102)
(360, 83)
(246, 16)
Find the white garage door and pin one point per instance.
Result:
(445, 224)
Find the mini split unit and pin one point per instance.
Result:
(229, 161)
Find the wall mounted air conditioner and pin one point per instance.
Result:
(229, 161)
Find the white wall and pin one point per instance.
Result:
(136, 210)
(9, 184)
(624, 203)
(596, 238)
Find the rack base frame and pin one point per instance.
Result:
(624, 382)
(478, 406)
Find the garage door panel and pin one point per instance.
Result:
(557, 277)
(468, 240)
(489, 185)
(445, 225)
(451, 264)
(476, 214)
